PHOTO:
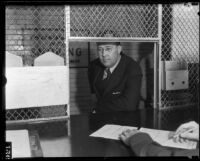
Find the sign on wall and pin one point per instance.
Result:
(78, 54)
(36, 86)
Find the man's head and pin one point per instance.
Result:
(109, 53)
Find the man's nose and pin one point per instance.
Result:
(104, 53)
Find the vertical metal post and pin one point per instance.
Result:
(159, 60)
(155, 86)
(67, 35)
(155, 53)
(159, 50)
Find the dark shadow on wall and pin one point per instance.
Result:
(80, 95)
(169, 120)
(146, 61)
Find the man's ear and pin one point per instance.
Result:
(119, 48)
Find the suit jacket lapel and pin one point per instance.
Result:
(116, 76)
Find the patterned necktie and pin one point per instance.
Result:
(106, 74)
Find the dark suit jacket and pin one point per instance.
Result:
(143, 145)
(123, 90)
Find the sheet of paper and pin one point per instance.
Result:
(163, 138)
(110, 131)
(36, 86)
(20, 143)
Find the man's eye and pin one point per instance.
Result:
(108, 49)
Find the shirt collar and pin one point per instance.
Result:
(113, 68)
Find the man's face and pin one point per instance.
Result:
(109, 54)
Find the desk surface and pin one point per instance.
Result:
(55, 141)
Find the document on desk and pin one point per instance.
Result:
(110, 131)
(164, 138)
(20, 143)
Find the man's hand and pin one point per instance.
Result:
(125, 135)
(189, 130)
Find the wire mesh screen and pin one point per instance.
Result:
(30, 32)
(33, 30)
(139, 20)
(180, 42)
(36, 112)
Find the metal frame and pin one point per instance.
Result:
(67, 35)
(158, 119)
(51, 118)
(102, 39)
(159, 48)
(179, 50)
(157, 53)
(156, 42)
(155, 76)
(156, 83)
(39, 120)
(93, 20)
(68, 38)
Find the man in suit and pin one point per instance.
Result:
(115, 79)
(143, 145)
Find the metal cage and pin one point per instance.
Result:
(180, 42)
(33, 30)
(36, 113)
(30, 32)
(139, 20)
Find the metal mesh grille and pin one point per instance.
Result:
(22, 114)
(33, 30)
(180, 42)
(124, 20)
(36, 112)
(30, 32)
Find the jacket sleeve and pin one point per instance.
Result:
(130, 96)
(143, 145)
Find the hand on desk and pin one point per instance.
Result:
(189, 130)
(125, 136)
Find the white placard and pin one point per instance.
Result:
(36, 86)
(20, 143)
